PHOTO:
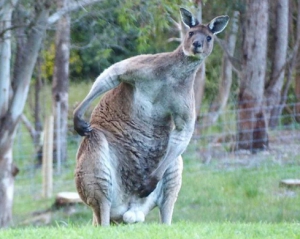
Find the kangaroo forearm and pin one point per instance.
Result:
(105, 82)
(177, 145)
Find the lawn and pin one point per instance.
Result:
(181, 230)
(233, 198)
(211, 193)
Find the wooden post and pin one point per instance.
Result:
(58, 137)
(47, 169)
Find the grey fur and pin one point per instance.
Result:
(130, 160)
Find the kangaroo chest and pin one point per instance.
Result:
(138, 138)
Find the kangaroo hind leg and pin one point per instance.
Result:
(171, 185)
(93, 176)
(101, 214)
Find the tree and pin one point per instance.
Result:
(60, 83)
(279, 52)
(200, 74)
(297, 93)
(13, 103)
(292, 59)
(221, 99)
(14, 89)
(251, 126)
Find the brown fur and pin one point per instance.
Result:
(130, 160)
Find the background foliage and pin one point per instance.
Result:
(113, 30)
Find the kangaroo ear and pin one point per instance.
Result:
(218, 24)
(187, 18)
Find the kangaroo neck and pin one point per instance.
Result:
(186, 66)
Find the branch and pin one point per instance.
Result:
(73, 6)
(175, 23)
(174, 39)
(119, 48)
(73, 46)
(29, 126)
(234, 61)
(11, 28)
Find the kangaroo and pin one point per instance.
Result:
(130, 158)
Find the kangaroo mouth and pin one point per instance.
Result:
(197, 50)
(198, 53)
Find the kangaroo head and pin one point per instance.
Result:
(199, 39)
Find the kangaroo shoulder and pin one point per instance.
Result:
(138, 66)
(145, 61)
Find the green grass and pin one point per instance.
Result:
(179, 230)
(243, 195)
(214, 202)
(208, 194)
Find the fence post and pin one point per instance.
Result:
(47, 167)
(58, 137)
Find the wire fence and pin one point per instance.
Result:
(211, 144)
(218, 141)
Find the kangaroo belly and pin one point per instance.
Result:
(138, 139)
(103, 172)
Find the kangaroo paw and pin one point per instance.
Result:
(82, 127)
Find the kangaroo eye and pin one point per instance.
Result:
(191, 34)
(208, 38)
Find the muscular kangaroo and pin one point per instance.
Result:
(130, 158)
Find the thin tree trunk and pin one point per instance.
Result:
(199, 83)
(6, 164)
(60, 84)
(291, 67)
(226, 77)
(275, 84)
(7, 173)
(297, 93)
(251, 127)
(6, 9)
(37, 107)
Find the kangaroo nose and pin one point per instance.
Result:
(197, 44)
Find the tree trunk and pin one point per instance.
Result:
(275, 84)
(297, 93)
(37, 107)
(6, 9)
(12, 103)
(6, 167)
(60, 84)
(199, 83)
(7, 173)
(291, 66)
(226, 77)
(251, 127)
(10, 118)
